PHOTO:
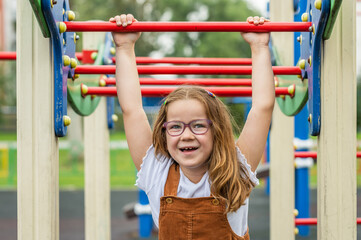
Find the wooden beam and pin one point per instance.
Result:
(97, 162)
(37, 146)
(336, 165)
(282, 172)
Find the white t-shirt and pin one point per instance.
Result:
(152, 177)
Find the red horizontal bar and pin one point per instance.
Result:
(305, 154)
(314, 154)
(188, 60)
(203, 70)
(7, 55)
(305, 221)
(313, 221)
(79, 26)
(171, 60)
(79, 55)
(194, 81)
(156, 92)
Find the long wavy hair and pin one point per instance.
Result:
(228, 177)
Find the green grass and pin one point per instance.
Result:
(122, 170)
(71, 167)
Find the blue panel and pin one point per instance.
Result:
(311, 47)
(62, 44)
(110, 112)
(107, 60)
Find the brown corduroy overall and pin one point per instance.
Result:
(192, 218)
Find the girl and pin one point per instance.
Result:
(196, 177)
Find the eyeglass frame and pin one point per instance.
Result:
(210, 123)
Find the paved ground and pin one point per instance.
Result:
(72, 216)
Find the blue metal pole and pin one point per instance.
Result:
(302, 191)
(145, 220)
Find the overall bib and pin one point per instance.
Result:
(192, 218)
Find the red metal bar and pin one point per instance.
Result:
(193, 81)
(7, 55)
(156, 92)
(203, 61)
(305, 221)
(306, 154)
(79, 56)
(313, 221)
(203, 70)
(171, 60)
(188, 27)
(314, 154)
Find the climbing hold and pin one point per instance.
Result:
(71, 15)
(318, 4)
(114, 118)
(73, 63)
(302, 63)
(66, 120)
(304, 17)
(66, 60)
(62, 27)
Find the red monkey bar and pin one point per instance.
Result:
(156, 92)
(7, 55)
(203, 70)
(313, 221)
(188, 27)
(180, 81)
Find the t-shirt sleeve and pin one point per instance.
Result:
(152, 170)
(244, 162)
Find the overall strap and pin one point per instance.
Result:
(171, 186)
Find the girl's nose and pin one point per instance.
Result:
(187, 134)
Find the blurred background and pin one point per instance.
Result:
(123, 172)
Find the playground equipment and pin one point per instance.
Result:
(38, 174)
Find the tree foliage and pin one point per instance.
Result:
(176, 44)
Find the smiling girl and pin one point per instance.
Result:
(197, 177)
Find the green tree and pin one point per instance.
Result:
(176, 44)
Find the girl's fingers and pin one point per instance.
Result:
(130, 18)
(261, 20)
(257, 20)
(116, 19)
(123, 19)
(250, 19)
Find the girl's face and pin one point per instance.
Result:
(191, 151)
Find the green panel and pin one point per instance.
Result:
(36, 5)
(290, 106)
(84, 106)
(335, 7)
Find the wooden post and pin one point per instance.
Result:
(336, 162)
(37, 146)
(97, 162)
(282, 178)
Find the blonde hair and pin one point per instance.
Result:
(228, 177)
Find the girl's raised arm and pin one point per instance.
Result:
(137, 128)
(253, 138)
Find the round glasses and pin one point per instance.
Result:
(198, 127)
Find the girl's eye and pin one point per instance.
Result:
(199, 125)
(175, 126)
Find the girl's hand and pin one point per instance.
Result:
(124, 39)
(256, 39)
